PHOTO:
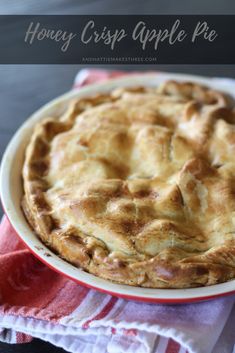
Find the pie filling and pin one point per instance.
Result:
(138, 186)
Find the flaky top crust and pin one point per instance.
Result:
(137, 186)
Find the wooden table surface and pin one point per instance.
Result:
(23, 89)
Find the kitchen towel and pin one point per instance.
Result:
(37, 302)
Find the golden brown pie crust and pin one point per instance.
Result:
(138, 186)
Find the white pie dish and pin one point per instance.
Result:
(11, 192)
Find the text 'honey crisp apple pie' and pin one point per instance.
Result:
(137, 186)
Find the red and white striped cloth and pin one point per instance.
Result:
(37, 302)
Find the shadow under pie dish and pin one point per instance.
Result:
(136, 185)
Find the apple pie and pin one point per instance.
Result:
(137, 186)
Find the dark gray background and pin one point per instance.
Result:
(23, 89)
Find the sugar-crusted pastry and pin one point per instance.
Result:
(138, 186)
